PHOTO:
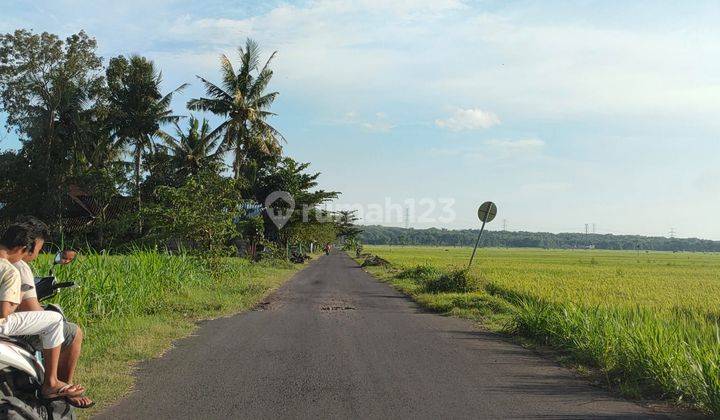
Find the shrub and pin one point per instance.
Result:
(421, 272)
(455, 281)
(375, 261)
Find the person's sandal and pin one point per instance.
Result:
(63, 392)
(79, 405)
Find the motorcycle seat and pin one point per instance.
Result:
(18, 342)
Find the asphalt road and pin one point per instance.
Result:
(336, 343)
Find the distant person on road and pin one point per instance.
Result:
(70, 349)
(327, 248)
(19, 240)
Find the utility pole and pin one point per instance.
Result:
(587, 228)
(593, 228)
(504, 224)
(407, 218)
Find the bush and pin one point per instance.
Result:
(455, 281)
(375, 261)
(421, 272)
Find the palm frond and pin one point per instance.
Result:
(267, 129)
(215, 91)
(228, 73)
(219, 130)
(265, 101)
(249, 57)
(168, 119)
(261, 83)
(267, 63)
(216, 106)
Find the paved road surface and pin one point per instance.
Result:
(336, 343)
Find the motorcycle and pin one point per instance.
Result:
(21, 365)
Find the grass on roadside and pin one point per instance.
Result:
(648, 323)
(133, 306)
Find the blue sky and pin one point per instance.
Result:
(562, 113)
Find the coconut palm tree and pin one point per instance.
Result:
(194, 150)
(243, 101)
(138, 109)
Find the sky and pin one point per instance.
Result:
(562, 113)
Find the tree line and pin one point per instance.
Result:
(106, 161)
(382, 235)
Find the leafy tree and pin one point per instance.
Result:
(251, 230)
(193, 150)
(160, 172)
(346, 224)
(138, 107)
(199, 214)
(286, 174)
(49, 89)
(312, 231)
(241, 99)
(77, 120)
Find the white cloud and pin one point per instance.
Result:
(378, 123)
(468, 119)
(494, 150)
(378, 51)
(516, 147)
(398, 51)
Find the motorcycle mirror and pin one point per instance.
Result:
(64, 257)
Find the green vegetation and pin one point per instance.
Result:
(132, 307)
(648, 322)
(385, 235)
(97, 164)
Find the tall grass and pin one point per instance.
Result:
(674, 356)
(140, 283)
(649, 323)
(132, 306)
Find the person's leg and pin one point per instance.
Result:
(69, 355)
(51, 358)
(70, 352)
(51, 335)
(49, 326)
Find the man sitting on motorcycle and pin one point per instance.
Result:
(18, 240)
(70, 349)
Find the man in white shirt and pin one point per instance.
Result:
(73, 334)
(71, 347)
(18, 240)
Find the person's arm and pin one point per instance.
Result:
(9, 290)
(30, 304)
(6, 308)
(29, 293)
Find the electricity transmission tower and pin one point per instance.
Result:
(672, 233)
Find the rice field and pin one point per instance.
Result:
(648, 321)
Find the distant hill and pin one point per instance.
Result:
(383, 235)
